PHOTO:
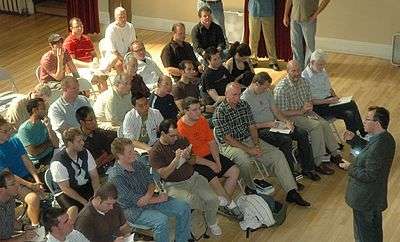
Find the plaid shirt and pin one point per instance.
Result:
(292, 95)
(233, 121)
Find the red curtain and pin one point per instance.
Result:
(87, 11)
(282, 34)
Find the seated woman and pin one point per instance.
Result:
(162, 100)
(239, 64)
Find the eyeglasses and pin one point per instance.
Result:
(7, 130)
(369, 119)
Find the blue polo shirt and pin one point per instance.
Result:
(262, 8)
(10, 157)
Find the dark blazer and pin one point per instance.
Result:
(368, 174)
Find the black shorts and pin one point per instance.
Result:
(65, 202)
(208, 173)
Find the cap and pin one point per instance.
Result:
(53, 38)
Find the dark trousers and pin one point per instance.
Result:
(347, 111)
(284, 143)
(367, 226)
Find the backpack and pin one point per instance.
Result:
(256, 212)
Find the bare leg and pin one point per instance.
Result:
(33, 210)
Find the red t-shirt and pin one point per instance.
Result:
(80, 49)
(199, 135)
(48, 64)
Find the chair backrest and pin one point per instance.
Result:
(6, 76)
(48, 179)
(37, 73)
(103, 47)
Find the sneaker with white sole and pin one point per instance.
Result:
(215, 229)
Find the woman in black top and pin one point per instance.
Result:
(239, 65)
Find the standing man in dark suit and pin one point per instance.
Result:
(368, 175)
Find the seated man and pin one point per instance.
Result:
(141, 123)
(62, 111)
(17, 113)
(97, 140)
(207, 33)
(322, 95)
(176, 51)
(13, 158)
(215, 78)
(56, 62)
(261, 100)
(36, 133)
(209, 163)
(79, 46)
(237, 134)
(137, 84)
(83, 53)
(74, 176)
(60, 226)
(136, 196)
(293, 98)
(112, 105)
(162, 100)
(102, 219)
(186, 86)
(147, 68)
(171, 157)
(9, 189)
(119, 36)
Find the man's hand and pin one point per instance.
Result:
(254, 151)
(289, 125)
(313, 17)
(143, 201)
(60, 54)
(187, 152)
(163, 197)
(307, 107)
(36, 187)
(348, 135)
(286, 21)
(214, 167)
(119, 239)
(330, 100)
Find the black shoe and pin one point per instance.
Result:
(274, 66)
(249, 191)
(324, 169)
(300, 186)
(312, 175)
(294, 197)
(336, 159)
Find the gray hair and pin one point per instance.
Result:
(118, 10)
(42, 89)
(318, 55)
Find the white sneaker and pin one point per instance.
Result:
(215, 229)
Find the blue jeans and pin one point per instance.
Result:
(367, 226)
(217, 9)
(156, 217)
(298, 31)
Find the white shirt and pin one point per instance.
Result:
(119, 38)
(319, 83)
(74, 236)
(60, 173)
(150, 72)
(132, 125)
(62, 114)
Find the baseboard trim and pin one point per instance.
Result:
(355, 47)
(329, 44)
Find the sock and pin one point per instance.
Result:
(232, 205)
(222, 201)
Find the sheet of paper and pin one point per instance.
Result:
(130, 238)
(342, 100)
(281, 128)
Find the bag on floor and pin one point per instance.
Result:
(256, 212)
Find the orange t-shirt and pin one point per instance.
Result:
(199, 135)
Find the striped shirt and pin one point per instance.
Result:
(291, 95)
(131, 186)
(233, 121)
(319, 83)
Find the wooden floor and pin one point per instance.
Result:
(370, 81)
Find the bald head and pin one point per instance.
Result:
(293, 70)
(232, 93)
(120, 16)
